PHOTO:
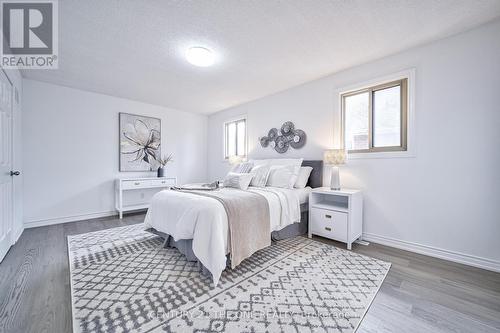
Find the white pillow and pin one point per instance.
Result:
(282, 176)
(260, 174)
(287, 161)
(238, 180)
(295, 162)
(277, 161)
(292, 162)
(303, 177)
(261, 162)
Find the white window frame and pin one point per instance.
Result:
(410, 115)
(224, 134)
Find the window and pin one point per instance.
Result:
(374, 119)
(235, 137)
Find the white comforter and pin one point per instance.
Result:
(204, 220)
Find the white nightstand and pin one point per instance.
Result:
(336, 215)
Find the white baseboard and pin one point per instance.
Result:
(5, 245)
(462, 258)
(17, 234)
(66, 219)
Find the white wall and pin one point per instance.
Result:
(71, 150)
(445, 201)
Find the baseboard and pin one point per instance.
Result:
(66, 219)
(16, 235)
(5, 245)
(462, 258)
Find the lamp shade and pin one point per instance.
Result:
(234, 159)
(334, 156)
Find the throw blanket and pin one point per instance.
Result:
(248, 218)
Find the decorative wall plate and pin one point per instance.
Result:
(264, 141)
(282, 144)
(287, 128)
(298, 140)
(273, 133)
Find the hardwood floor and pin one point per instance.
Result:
(420, 293)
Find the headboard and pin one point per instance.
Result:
(316, 177)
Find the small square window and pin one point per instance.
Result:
(374, 118)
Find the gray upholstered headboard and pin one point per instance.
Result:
(316, 177)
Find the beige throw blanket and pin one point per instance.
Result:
(248, 218)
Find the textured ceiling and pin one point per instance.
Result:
(135, 49)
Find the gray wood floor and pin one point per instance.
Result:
(420, 294)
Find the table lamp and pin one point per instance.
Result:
(234, 159)
(334, 157)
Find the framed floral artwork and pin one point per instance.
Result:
(140, 142)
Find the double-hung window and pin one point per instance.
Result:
(235, 137)
(374, 119)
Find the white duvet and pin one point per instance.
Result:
(204, 220)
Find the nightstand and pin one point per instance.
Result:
(336, 215)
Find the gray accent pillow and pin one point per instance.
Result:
(245, 167)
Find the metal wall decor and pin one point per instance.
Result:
(284, 138)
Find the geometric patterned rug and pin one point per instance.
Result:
(123, 281)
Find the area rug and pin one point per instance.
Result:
(122, 280)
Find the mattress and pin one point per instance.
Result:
(303, 194)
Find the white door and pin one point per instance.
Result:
(6, 173)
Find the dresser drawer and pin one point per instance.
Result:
(131, 184)
(163, 182)
(329, 223)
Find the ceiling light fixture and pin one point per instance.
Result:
(200, 56)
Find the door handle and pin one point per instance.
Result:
(15, 173)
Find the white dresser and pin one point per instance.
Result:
(136, 193)
(336, 215)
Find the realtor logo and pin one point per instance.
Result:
(29, 34)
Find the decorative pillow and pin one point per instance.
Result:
(282, 176)
(304, 173)
(261, 162)
(260, 174)
(278, 161)
(238, 180)
(287, 161)
(244, 167)
(296, 162)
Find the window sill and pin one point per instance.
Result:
(382, 154)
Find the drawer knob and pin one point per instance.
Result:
(137, 183)
(328, 216)
(328, 229)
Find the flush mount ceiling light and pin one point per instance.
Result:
(200, 56)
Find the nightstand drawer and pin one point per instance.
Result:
(163, 182)
(131, 184)
(329, 223)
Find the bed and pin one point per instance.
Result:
(197, 225)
